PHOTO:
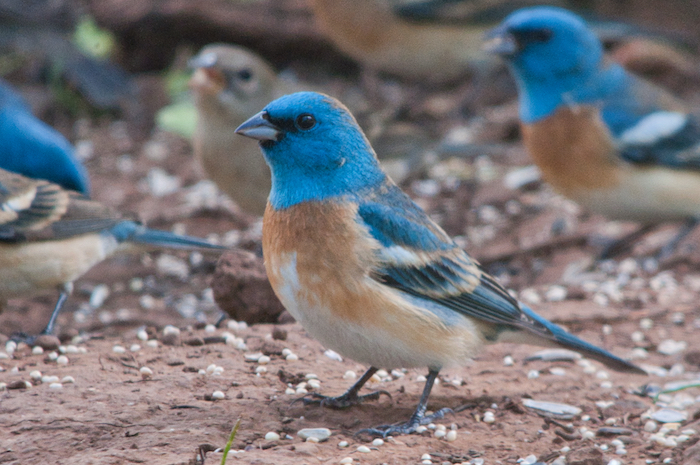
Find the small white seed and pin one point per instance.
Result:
(218, 395)
(146, 373)
(62, 360)
(364, 449)
(272, 436)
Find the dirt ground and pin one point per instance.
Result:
(539, 245)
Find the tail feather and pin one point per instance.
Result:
(129, 231)
(569, 341)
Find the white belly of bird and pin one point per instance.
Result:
(400, 335)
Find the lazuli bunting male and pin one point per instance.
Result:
(33, 148)
(365, 270)
(50, 236)
(609, 140)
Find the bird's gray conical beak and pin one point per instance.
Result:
(500, 41)
(203, 60)
(258, 127)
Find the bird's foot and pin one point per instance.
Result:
(407, 427)
(340, 402)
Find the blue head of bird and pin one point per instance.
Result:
(315, 149)
(551, 52)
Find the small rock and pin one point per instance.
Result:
(585, 456)
(279, 334)
(668, 415)
(614, 431)
(47, 342)
(552, 409)
(321, 434)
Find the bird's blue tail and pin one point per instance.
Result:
(129, 231)
(570, 341)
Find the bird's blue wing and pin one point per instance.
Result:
(419, 258)
(423, 262)
(648, 125)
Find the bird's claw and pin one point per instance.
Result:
(342, 401)
(407, 427)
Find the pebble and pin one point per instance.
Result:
(529, 460)
(554, 355)
(62, 360)
(314, 384)
(142, 335)
(345, 461)
(533, 374)
(650, 426)
(671, 347)
(508, 361)
(439, 433)
(363, 449)
(210, 328)
(350, 375)
(557, 371)
(55, 386)
(49, 379)
(343, 444)
(556, 293)
(261, 369)
(421, 429)
(426, 457)
(254, 357)
(667, 415)
(152, 343)
(37, 350)
(35, 375)
(264, 360)
(135, 347)
(146, 373)
(99, 295)
(451, 436)
(272, 436)
(378, 442)
(552, 409)
(218, 395)
(489, 417)
(321, 434)
(292, 357)
(67, 380)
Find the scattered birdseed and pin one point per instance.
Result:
(343, 444)
(210, 328)
(289, 391)
(36, 351)
(261, 369)
(55, 386)
(135, 347)
(146, 373)
(345, 461)
(62, 360)
(333, 355)
(67, 380)
(272, 436)
(508, 361)
(557, 371)
(152, 343)
(254, 357)
(35, 375)
(451, 436)
(378, 442)
(421, 429)
(646, 323)
(49, 379)
(426, 457)
(532, 374)
(349, 375)
(314, 384)
(440, 433)
(292, 358)
(171, 330)
(53, 356)
(363, 449)
(264, 360)
(489, 417)
(218, 395)
(99, 295)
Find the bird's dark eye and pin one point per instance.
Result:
(305, 121)
(244, 75)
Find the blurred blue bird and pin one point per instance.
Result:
(613, 142)
(365, 270)
(34, 149)
(50, 236)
